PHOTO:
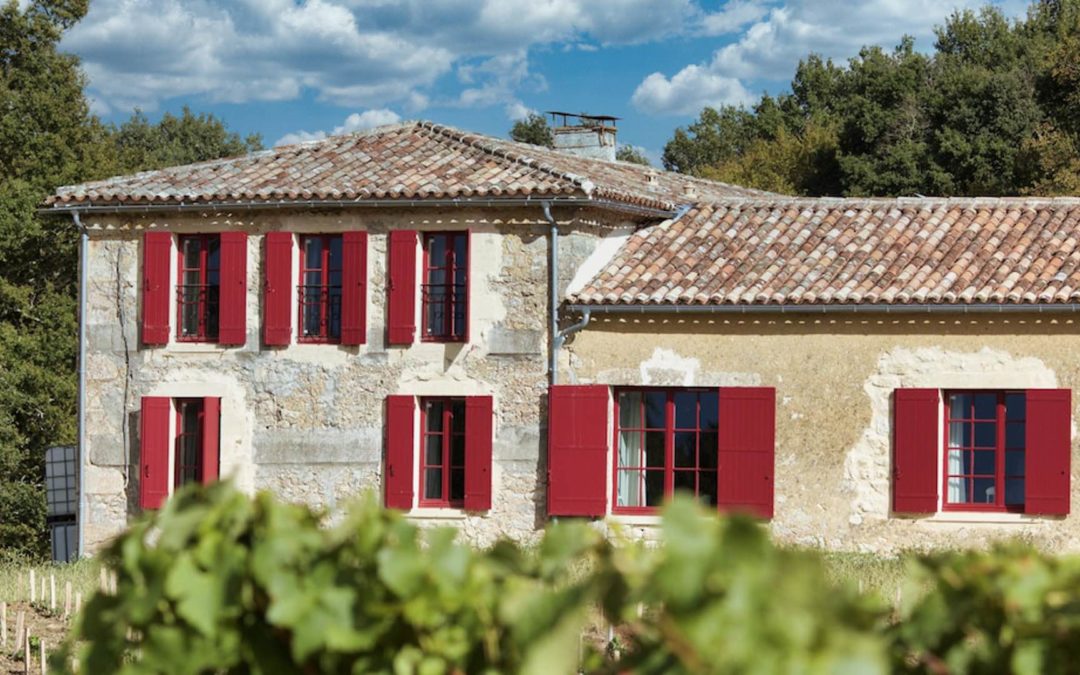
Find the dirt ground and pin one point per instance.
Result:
(42, 624)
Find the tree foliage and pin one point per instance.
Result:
(628, 153)
(49, 138)
(534, 130)
(992, 110)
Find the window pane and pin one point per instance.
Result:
(685, 480)
(333, 314)
(707, 487)
(434, 415)
(313, 279)
(457, 484)
(433, 484)
(433, 454)
(685, 443)
(1014, 491)
(958, 491)
(985, 435)
(956, 462)
(629, 489)
(313, 252)
(709, 407)
(630, 449)
(192, 277)
(457, 415)
(686, 410)
(457, 450)
(1014, 462)
(983, 491)
(437, 250)
(190, 416)
(630, 410)
(213, 253)
(707, 451)
(1015, 435)
(335, 253)
(461, 250)
(985, 462)
(656, 409)
(654, 449)
(986, 406)
(437, 277)
(1015, 406)
(192, 248)
(654, 488)
(960, 406)
(959, 434)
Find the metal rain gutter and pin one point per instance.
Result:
(484, 202)
(553, 294)
(84, 256)
(865, 308)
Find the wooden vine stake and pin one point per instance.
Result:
(104, 580)
(78, 601)
(3, 626)
(20, 624)
(41, 655)
(67, 599)
(43, 590)
(52, 592)
(26, 655)
(33, 587)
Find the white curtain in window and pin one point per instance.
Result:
(630, 450)
(957, 486)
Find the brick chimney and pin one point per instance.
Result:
(584, 135)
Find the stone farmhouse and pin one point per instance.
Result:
(492, 335)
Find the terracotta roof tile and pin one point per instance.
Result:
(402, 161)
(844, 251)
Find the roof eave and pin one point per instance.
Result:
(834, 308)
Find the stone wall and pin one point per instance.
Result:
(834, 378)
(305, 421)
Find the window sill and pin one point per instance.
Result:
(437, 513)
(636, 519)
(986, 517)
(197, 347)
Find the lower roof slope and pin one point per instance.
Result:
(847, 251)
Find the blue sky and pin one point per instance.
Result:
(294, 70)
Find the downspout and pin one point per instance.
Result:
(553, 293)
(84, 255)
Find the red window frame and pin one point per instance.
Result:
(1001, 421)
(699, 469)
(451, 429)
(207, 294)
(190, 471)
(325, 305)
(453, 294)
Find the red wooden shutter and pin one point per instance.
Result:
(747, 448)
(400, 448)
(211, 439)
(154, 446)
(277, 305)
(232, 307)
(401, 298)
(354, 288)
(916, 452)
(478, 432)
(1049, 447)
(577, 450)
(157, 265)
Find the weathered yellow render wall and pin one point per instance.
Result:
(834, 378)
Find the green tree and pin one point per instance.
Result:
(534, 130)
(628, 153)
(174, 140)
(48, 138)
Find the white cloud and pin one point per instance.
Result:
(516, 110)
(778, 37)
(348, 52)
(368, 119)
(688, 92)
